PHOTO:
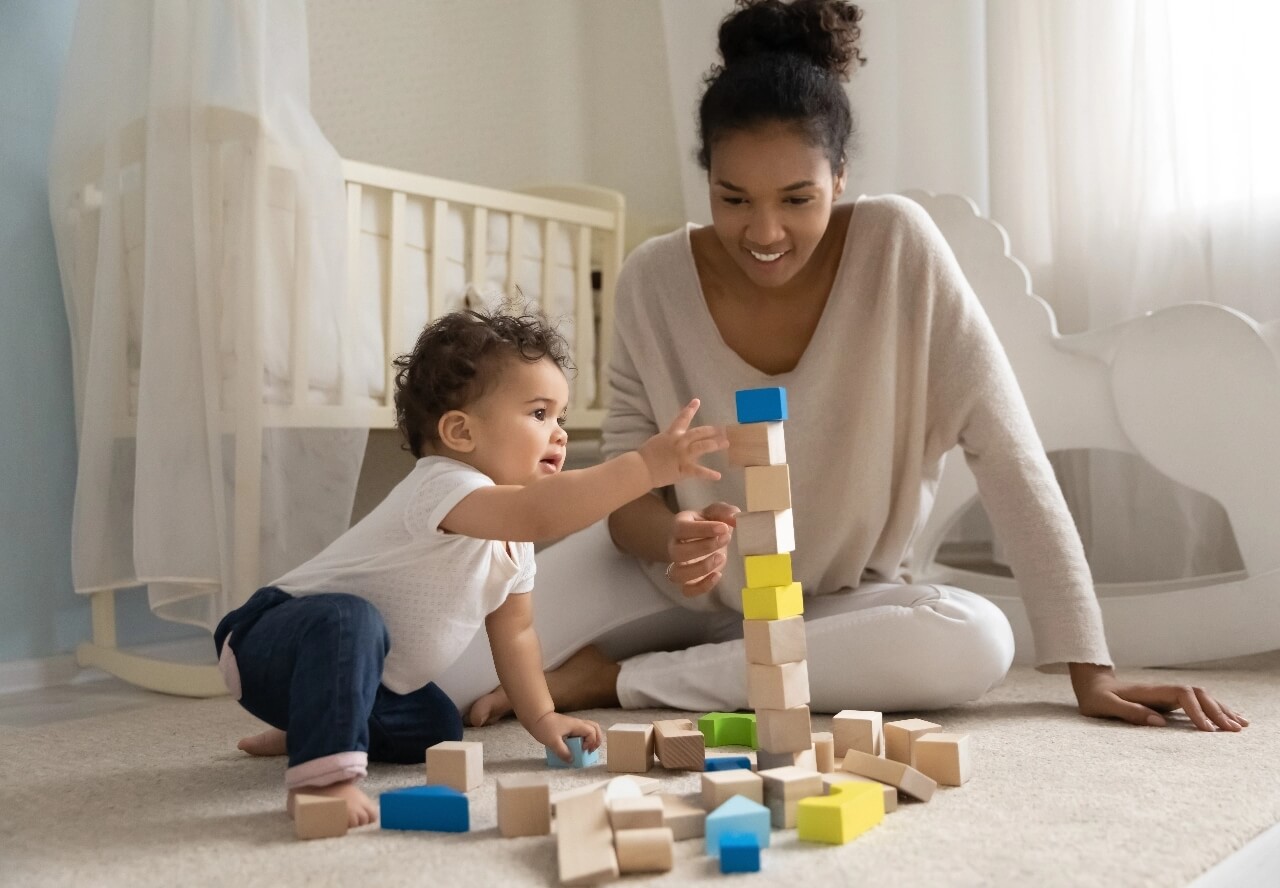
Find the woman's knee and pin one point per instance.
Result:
(982, 644)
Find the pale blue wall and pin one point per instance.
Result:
(39, 614)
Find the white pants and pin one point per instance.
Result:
(883, 646)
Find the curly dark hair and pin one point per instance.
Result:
(784, 62)
(456, 360)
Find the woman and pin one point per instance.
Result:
(861, 312)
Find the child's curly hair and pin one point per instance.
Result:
(457, 359)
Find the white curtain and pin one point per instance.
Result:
(192, 196)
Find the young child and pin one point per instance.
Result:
(338, 654)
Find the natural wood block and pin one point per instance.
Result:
(785, 730)
(772, 602)
(650, 850)
(756, 444)
(780, 686)
(783, 788)
(319, 816)
(771, 642)
(900, 735)
(802, 759)
(626, 786)
(944, 757)
(850, 810)
(860, 730)
(890, 792)
(765, 571)
(524, 805)
(720, 786)
(629, 748)
(824, 751)
(679, 746)
(685, 819)
(765, 533)
(768, 488)
(584, 841)
(458, 764)
(635, 813)
(906, 778)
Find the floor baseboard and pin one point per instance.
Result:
(61, 670)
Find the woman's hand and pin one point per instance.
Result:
(697, 547)
(1101, 695)
(552, 729)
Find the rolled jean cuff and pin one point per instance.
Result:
(328, 769)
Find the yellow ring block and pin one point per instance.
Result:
(850, 810)
(772, 602)
(768, 570)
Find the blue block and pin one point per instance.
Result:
(762, 405)
(727, 763)
(434, 808)
(739, 853)
(739, 814)
(581, 758)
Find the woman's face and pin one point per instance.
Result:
(771, 199)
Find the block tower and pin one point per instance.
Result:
(772, 604)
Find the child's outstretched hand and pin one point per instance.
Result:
(552, 728)
(674, 454)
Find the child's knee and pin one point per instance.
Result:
(350, 615)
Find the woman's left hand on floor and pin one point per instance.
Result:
(1102, 695)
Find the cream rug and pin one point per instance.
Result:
(158, 795)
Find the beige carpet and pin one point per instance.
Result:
(158, 795)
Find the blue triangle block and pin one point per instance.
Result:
(581, 758)
(432, 808)
(738, 815)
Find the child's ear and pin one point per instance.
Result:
(454, 429)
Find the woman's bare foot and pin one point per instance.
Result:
(587, 680)
(270, 742)
(361, 811)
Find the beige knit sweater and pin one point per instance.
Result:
(904, 365)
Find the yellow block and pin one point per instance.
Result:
(850, 810)
(772, 602)
(768, 570)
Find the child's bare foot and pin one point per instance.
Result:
(361, 810)
(270, 742)
(587, 680)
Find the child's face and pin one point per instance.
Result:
(516, 425)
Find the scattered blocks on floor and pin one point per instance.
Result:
(739, 853)
(858, 729)
(761, 405)
(319, 816)
(679, 746)
(727, 763)
(900, 735)
(772, 602)
(765, 533)
(685, 819)
(773, 642)
(756, 444)
(906, 778)
(944, 757)
(767, 571)
(850, 810)
(738, 814)
(430, 808)
(581, 758)
(784, 788)
(524, 806)
(803, 758)
(783, 686)
(729, 729)
(650, 850)
(720, 786)
(636, 813)
(584, 840)
(458, 764)
(824, 751)
(630, 748)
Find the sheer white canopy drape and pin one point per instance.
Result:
(191, 191)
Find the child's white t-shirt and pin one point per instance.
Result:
(433, 588)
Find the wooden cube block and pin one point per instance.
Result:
(319, 816)
(906, 778)
(679, 746)
(786, 730)
(650, 850)
(900, 735)
(768, 488)
(770, 642)
(765, 533)
(630, 748)
(860, 730)
(850, 810)
(802, 759)
(756, 444)
(784, 788)
(944, 757)
(776, 687)
(524, 806)
(765, 571)
(685, 819)
(584, 841)
(761, 404)
(890, 792)
(773, 602)
(720, 786)
(456, 763)
(635, 813)
(824, 751)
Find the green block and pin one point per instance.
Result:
(729, 729)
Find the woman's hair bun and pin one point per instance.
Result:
(825, 32)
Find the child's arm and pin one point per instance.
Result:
(569, 501)
(517, 656)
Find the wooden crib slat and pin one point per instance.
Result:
(550, 231)
(515, 249)
(351, 305)
(300, 335)
(584, 314)
(395, 286)
(477, 274)
(439, 219)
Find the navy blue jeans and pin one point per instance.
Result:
(312, 666)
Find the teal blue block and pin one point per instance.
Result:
(727, 763)
(739, 853)
(761, 405)
(432, 808)
(738, 815)
(581, 758)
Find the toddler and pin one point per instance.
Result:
(339, 654)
